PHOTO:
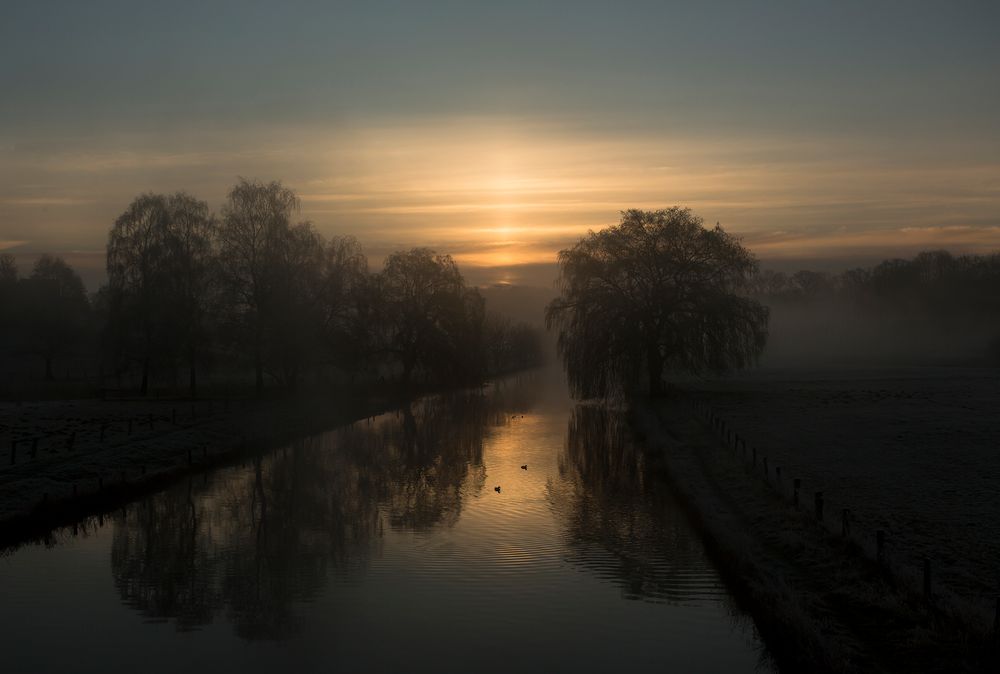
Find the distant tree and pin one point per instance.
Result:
(8, 269)
(268, 268)
(8, 305)
(158, 264)
(658, 291)
(432, 321)
(345, 303)
(54, 310)
(191, 263)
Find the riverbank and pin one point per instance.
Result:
(819, 602)
(64, 459)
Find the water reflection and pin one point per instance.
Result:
(258, 540)
(391, 527)
(621, 521)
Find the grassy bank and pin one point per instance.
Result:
(62, 460)
(819, 602)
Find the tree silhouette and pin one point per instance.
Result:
(432, 320)
(257, 251)
(54, 310)
(158, 274)
(658, 291)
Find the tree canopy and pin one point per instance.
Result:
(658, 292)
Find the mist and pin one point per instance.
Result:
(934, 309)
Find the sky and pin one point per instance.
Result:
(824, 133)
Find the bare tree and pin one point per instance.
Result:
(190, 262)
(432, 320)
(658, 291)
(255, 248)
(54, 310)
(158, 263)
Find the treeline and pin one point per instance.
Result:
(252, 296)
(938, 305)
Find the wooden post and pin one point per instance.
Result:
(796, 483)
(845, 522)
(777, 475)
(880, 547)
(927, 579)
(818, 499)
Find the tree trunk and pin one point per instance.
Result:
(655, 365)
(192, 373)
(258, 364)
(144, 387)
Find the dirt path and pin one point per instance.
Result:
(819, 602)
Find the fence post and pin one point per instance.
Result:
(777, 475)
(818, 499)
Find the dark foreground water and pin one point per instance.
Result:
(385, 547)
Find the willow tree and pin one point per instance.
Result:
(658, 292)
(158, 264)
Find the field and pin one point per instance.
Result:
(912, 451)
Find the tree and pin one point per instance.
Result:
(264, 263)
(190, 261)
(158, 262)
(432, 321)
(54, 310)
(343, 297)
(658, 291)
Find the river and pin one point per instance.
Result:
(385, 546)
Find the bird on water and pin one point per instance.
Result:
(497, 489)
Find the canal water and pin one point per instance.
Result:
(386, 546)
